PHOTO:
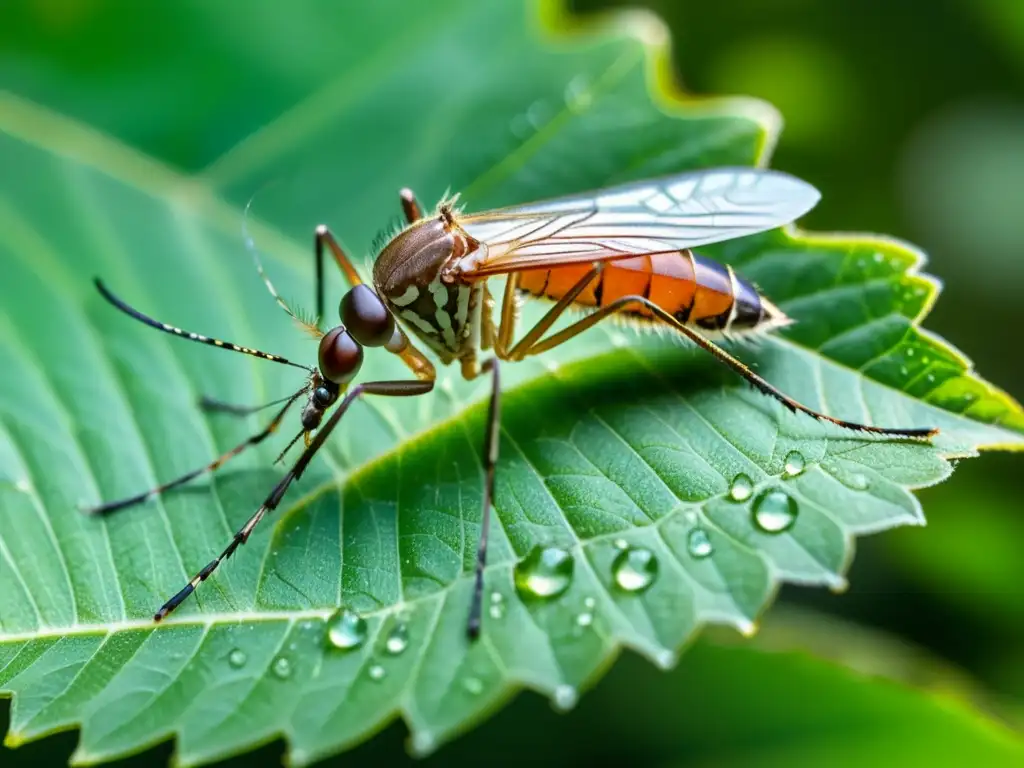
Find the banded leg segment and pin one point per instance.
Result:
(384, 388)
(213, 466)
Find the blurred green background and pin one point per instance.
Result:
(910, 115)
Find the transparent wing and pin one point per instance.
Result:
(654, 216)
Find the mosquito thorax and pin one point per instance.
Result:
(414, 277)
(366, 317)
(412, 259)
(340, 356)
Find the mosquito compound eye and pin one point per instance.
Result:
(340, 356)
(366, 317)
(322, 397)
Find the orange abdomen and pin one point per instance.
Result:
(691, 288)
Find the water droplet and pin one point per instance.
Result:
(925, 360)
(665, 659)
(774, 511)
(497, 610)
(621, 543)
(858, 482)
(423, 743)
(376, 672)
(589, 603)
(496, 597)
(837, 584)
(878, 257)
(746, 627)
(930, 378)
(237, 658)
(698, 544)
(473, 685)
(910, 353)
(520, 127)
(690, 518)
(565, 697)
(741, 488)
(23, 485)
(635, 569)
(545, 572)
(282, 667)
(346, 630)
(537, 114)
(794, 464)
(577, 95)
(585, 619)
(904, 371)
(398, 639)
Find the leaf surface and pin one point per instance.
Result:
(615, 439)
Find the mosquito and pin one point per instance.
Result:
(624, 250)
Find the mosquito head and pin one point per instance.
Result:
(322, 395)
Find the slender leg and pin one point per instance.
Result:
(509, 315)
(385, 388)
(536, 347)
(213, 405)
(324, 237)
(490, 452)
(410, 207)
(414, 360)
(213, 466)
(519, 351)
(412, 212)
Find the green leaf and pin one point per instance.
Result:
(616, 436)
(762, 703)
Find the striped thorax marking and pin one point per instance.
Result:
(417, 275)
